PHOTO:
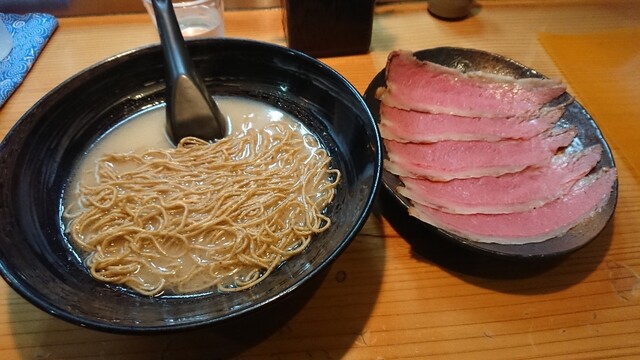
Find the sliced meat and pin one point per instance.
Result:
(446, 160)
(517, 192)
(424, 86)
(553, 219)
(414, 126)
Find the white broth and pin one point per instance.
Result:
(146, 131)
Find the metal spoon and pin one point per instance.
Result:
(191, 111)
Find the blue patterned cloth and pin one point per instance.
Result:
(30, 33)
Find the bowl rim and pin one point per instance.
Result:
(33, 296)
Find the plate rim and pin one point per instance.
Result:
(496, 249)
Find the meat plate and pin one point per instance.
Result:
(575, 115)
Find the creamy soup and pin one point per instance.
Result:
(163, 220)
(147, 130)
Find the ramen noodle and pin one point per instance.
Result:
(203, 215)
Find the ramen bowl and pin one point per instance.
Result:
(38, 156)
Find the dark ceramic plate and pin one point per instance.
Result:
(39, 153)
(588, 134)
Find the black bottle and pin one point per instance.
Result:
(323, 28)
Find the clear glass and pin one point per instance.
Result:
(6, 43)
(197, 18)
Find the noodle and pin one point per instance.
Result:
(203, 215)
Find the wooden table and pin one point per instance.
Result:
(397, 292)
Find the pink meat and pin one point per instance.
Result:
(521, 191)
(553, 219)
(414, 126)
(428, 87)
(446, 160)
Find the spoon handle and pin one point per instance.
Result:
(187, 96)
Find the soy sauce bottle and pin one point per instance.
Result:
(324, 28)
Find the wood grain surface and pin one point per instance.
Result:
(399, 291)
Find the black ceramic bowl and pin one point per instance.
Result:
(39, 153)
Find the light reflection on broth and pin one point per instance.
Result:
(201, 216)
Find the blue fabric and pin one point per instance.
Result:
(30, 33)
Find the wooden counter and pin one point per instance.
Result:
(398, 292)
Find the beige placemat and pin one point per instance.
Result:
(603, 69)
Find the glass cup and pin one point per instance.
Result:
(6, 43)
(197, 18)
